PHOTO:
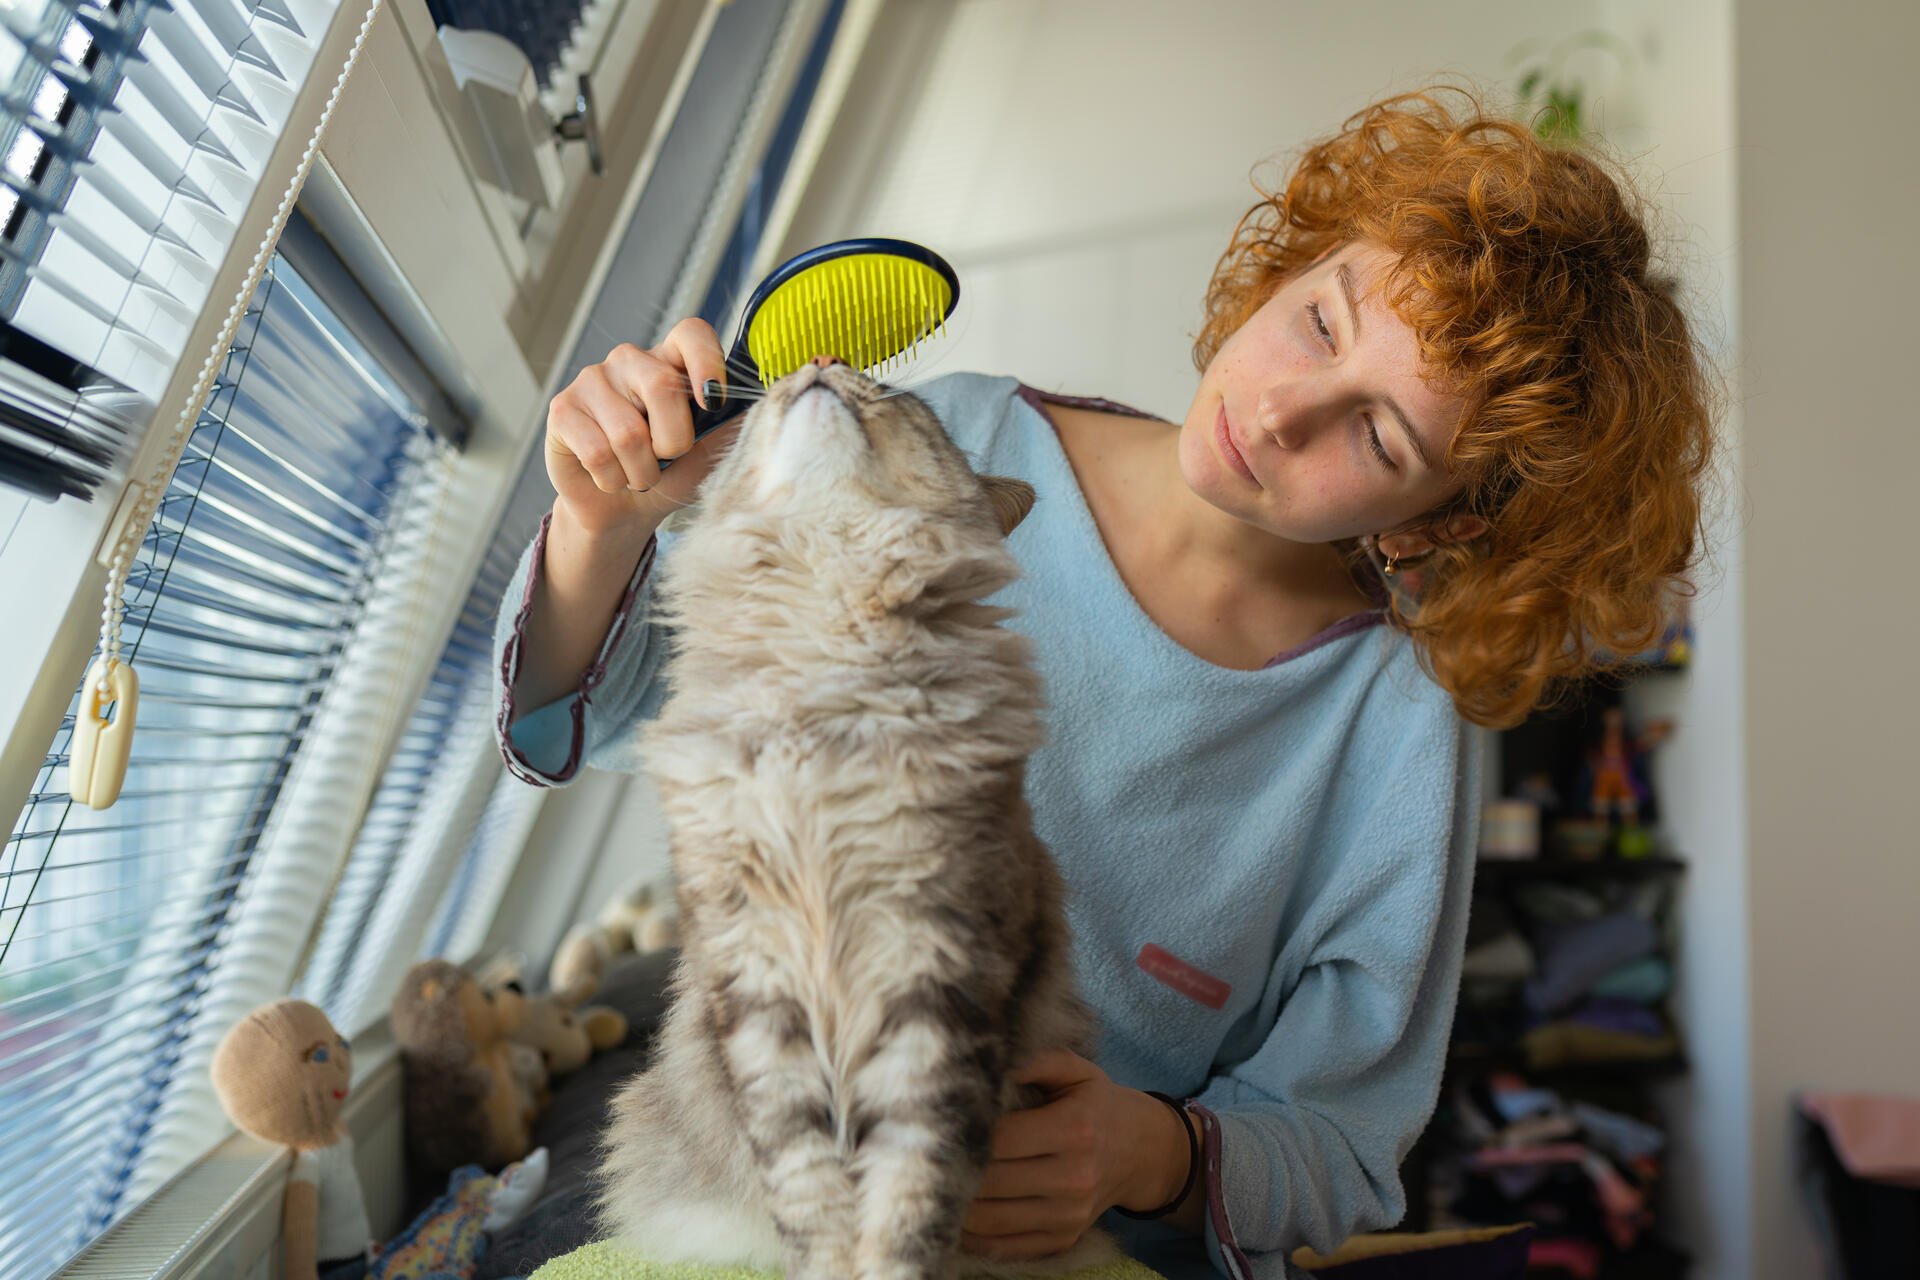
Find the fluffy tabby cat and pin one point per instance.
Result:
(872, 937)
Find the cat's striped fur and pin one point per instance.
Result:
(871, 934)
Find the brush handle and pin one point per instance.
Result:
(719, 411)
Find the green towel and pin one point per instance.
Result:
(605, 1260)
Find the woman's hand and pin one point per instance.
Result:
(1059, 1166)
(607, 431)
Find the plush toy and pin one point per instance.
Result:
(282, 1074)
(462, 1106)
(566, 1035)
(554, 1036)
(501, 981)
(640, 918)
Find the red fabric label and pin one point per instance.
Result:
(1195, 984)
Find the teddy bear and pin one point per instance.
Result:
(554, 1035)
(640, 918)
(282, 1074)
(455, 1037)
(564, 1033)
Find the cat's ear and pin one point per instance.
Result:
(1011, 500)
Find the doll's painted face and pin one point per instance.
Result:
(282, 1074)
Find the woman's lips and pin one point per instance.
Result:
(1223, 439)
(339, 1094)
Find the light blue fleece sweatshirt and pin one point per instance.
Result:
(1268, 870)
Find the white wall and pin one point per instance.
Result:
(1674, 124)
(1083, 162)
(1829, 176)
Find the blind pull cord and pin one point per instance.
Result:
(97, 760)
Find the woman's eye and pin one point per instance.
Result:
(1320, 324)
(1373, 443)
(344, 1044)
(320, 1054)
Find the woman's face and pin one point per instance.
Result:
(1313, 422)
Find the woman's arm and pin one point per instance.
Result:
(584, 575)
(1302, 1139)
(570, 604)
(1309, 1132)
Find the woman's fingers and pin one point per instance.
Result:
(624, 427)
(693, 347)
(574, 429)
(1055, 1127)
(1049, 1175)
(659, 391)
(620, 417)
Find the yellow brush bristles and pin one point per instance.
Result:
(870, 309)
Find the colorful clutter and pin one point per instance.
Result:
(1546, 1116)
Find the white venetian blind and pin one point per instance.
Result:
(135, 133)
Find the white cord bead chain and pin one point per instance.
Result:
(93, 778)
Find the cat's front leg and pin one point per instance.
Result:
(921, 1118)
(786, 1110)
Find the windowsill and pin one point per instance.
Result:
(222, 1214)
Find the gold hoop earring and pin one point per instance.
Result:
(1392, 566)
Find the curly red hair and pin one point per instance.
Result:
(1524, 272)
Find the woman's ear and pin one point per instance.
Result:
(1414, 543)
(1011, 500)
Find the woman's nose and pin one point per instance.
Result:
(1288, 418)
(825, 361)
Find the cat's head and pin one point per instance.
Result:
(829, 442)
(834, 471)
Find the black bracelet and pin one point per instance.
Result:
(1193, 1165)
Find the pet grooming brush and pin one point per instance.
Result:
(870, 302)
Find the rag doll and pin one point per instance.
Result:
(282, 1074)
(872, 937)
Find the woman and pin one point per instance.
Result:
(1440, 392)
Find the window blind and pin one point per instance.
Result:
(454, 710)
(466, 909)
(62, 425)
(133, 134)
(114, 257)
(248, 586)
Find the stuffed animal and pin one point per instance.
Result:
(462, 1106)
(282, 1074)
(566, 1035)
(554, 1036)
(501, 980)
(640, 918)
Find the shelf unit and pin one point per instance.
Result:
(1456, 1174)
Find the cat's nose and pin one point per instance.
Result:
(825, 361)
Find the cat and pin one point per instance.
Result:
(872, 936)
